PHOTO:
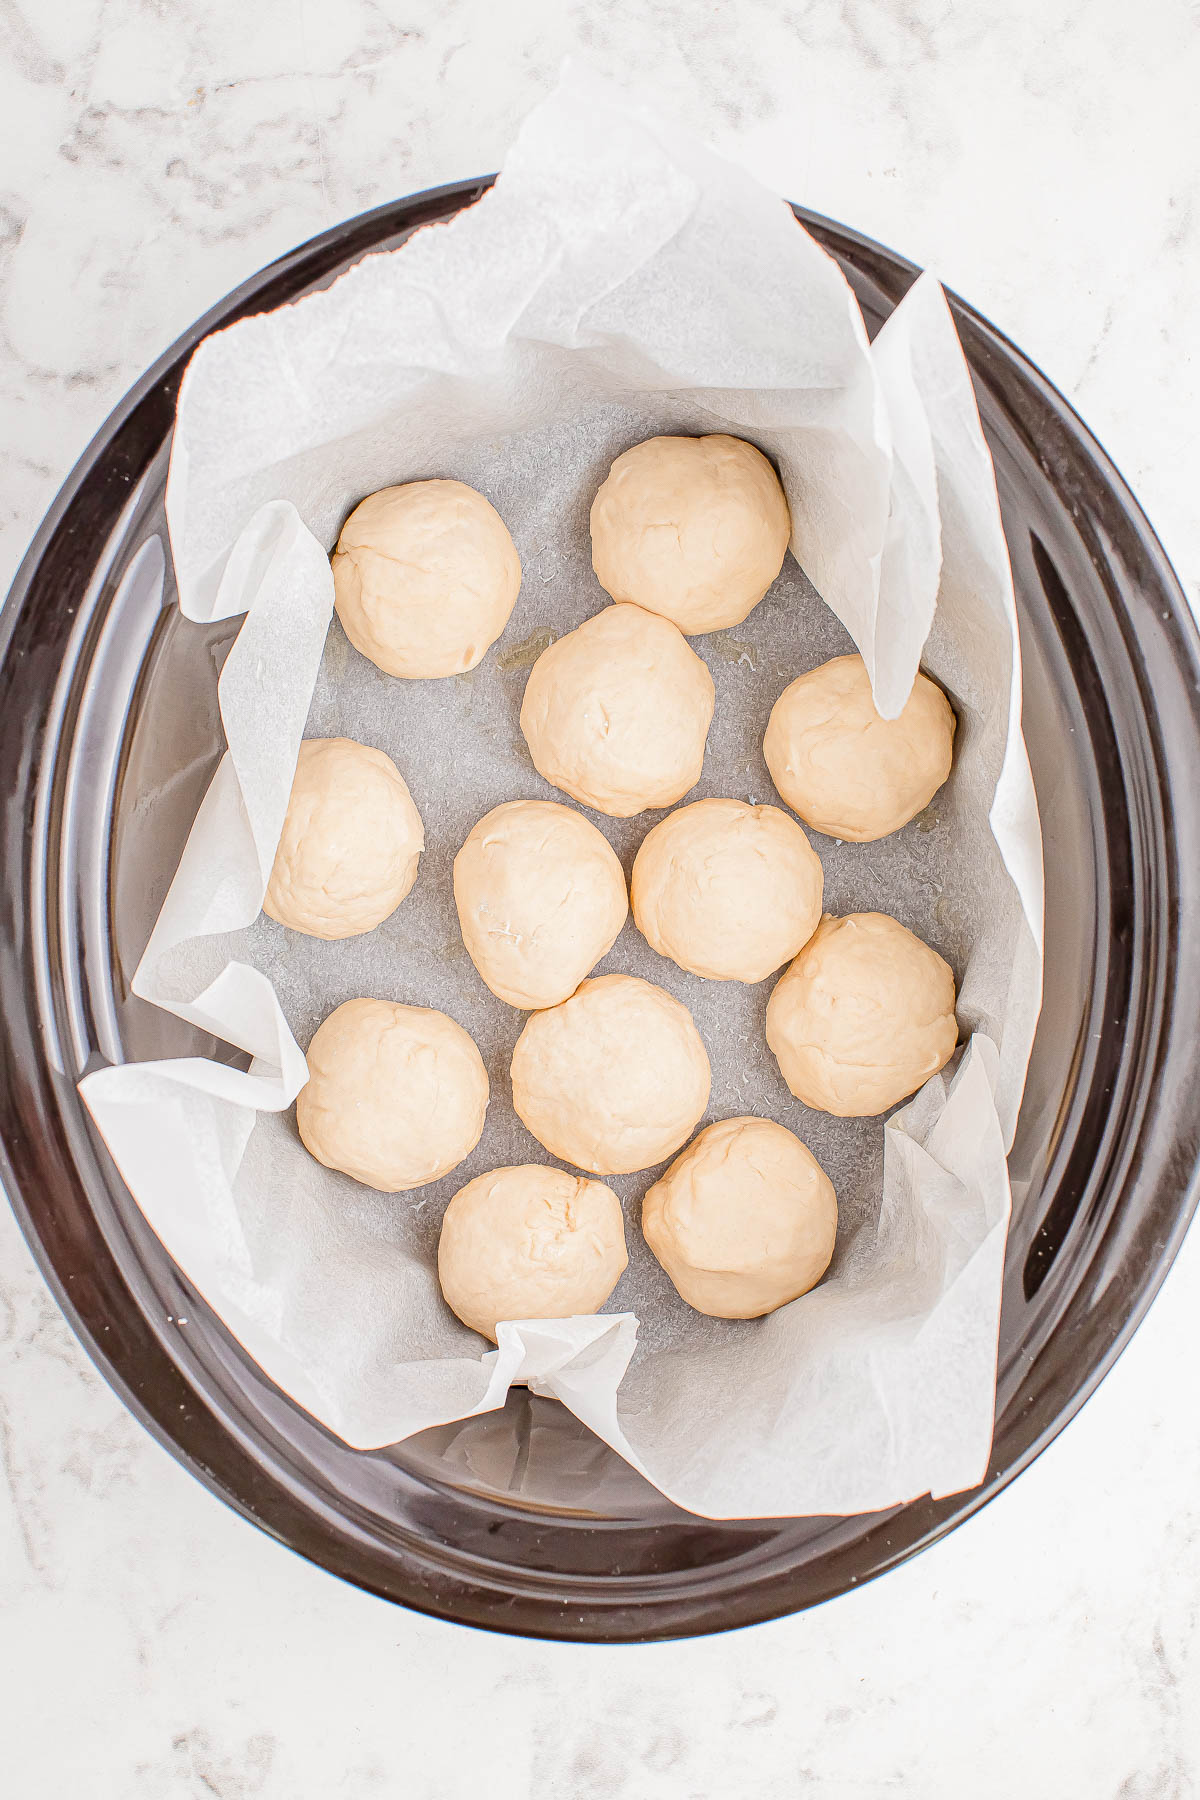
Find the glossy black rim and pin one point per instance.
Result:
(1122, 1182)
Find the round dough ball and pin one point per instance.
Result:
(864, 1016)
(541, 898)
(694, 528)
(616, 713)
(395, 1094)
(425, 577)
(845, 770)
(614, 1079)
(744, 1221)
(727, 890)
(530, 1243)
(350, 845)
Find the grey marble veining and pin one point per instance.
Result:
(152, 1647)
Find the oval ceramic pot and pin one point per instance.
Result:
(521, 1521)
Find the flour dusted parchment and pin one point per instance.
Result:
(619, 281)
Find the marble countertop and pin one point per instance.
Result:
(154, 1647)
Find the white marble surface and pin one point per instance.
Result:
(153, 1647)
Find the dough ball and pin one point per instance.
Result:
(694, 528)
(616, 713)
(845, 770)
(864, 1016)
(541, 897)
(727, 890)
(425, 577)
(350, 843)
(744, 1221)
(614, 1079)
(530, 1243)
(395, 1094)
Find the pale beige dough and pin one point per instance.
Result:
(864, 1016)
(616, 713)
(350, 845)
(694, 528)
(530, 1243)
(744, 1221)
(425, 577)
(614, 1079)
(541, 898)
(396, 1095)
(844, 769)
(727, 889)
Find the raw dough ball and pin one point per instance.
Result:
(617, 712)
(350, 843)
(694, 528)
(614, 1079)
(864, 1016)
(530, 1243)
(845, 770)
(744, 1220)
(727, 890)
(425, 577)
(395, 1095)
(541, 897)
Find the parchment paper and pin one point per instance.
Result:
(618, 281)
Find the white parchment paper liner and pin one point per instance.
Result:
(617, 281)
